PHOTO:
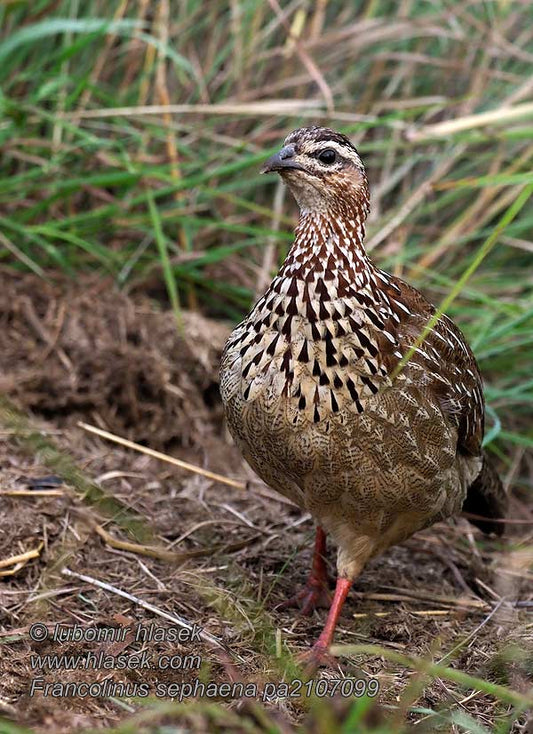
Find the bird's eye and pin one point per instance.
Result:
(327, 156)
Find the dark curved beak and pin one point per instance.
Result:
(282, 161)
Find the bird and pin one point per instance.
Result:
(347, 391)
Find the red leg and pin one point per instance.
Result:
(341, 592)
(315, 592)
(319, 652)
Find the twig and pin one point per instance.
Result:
(162, 457)
(407, 595)
(499, 116)
(206, 636)
(416, 612)
(288, 107)
(32, 493)
(472, 634)
(501, 520)
(170, 556)
(20, 560)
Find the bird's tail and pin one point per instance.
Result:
(486, 498)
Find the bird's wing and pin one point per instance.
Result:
(446, 364)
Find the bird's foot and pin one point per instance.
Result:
(313, 595)
(316, 657)
(319, 654)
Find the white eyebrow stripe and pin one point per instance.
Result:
(342, 150)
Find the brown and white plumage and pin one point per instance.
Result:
(312, 385)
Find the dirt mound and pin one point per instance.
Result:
(83, 350)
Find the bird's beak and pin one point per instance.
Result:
(281, 161)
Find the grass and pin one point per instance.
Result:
(137, 192)
(100, 174)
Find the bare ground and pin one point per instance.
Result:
(83, 351)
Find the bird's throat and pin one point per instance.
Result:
(328, 244)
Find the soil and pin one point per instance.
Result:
(83, 351)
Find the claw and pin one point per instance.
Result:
(316, 657)
(312, 596)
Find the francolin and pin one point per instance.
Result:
(333, 396)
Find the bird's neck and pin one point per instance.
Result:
(327, 242)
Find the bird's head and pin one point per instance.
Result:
(322, 169)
